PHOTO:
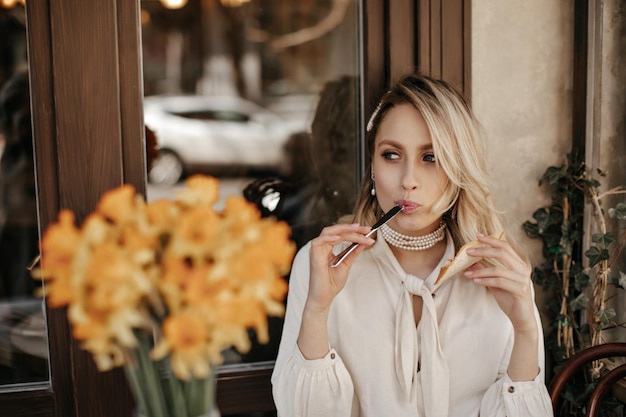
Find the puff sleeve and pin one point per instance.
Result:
(506, 398)
(301, 387)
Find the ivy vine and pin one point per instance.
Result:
(578, 280)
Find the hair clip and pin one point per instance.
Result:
(370, 123)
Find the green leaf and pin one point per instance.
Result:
(576, 235)
(565, 245)
(604, 240)
(553, 175)
(531, 229)
(596, 256)
(622, 280)
(579, 303)
(618, 212)
(593, 184)
(581, 281)
(562, 321)
(584, 329)
(543, 219)
(605, 316)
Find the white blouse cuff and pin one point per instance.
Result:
(327, 361)
(510, 387)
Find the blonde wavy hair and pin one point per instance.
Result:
(466, 204)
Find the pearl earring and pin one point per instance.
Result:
(373, 191)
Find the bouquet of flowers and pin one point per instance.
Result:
(163, 288)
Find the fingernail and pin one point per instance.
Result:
(469, 273)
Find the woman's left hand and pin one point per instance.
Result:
(508, 278)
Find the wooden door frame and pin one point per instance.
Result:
(86, 100)
(86, 93)
(429, 36)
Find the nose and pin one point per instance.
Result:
(409, 178)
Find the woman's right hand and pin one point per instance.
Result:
(326, 282)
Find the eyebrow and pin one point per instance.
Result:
(425, 147)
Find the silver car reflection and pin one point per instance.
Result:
(215, 135)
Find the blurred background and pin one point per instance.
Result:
(263, 94)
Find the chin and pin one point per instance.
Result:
(415, 226)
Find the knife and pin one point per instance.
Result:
(388, 216)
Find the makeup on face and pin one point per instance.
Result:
(405, 169)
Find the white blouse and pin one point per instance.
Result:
(454, 363)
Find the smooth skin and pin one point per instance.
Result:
(405, 172)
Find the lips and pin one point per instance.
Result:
(407, 206)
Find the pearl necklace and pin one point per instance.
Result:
(402, 241)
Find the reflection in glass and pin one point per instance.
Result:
(23, 334)
(263, 94)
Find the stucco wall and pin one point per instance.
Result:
(610, 154)
(610, 92)
(521, 92)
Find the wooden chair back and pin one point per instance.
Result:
(582, 358)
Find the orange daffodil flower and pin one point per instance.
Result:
(201, 191)
(187, 337)
(206, 277)
(119, 205)
(60, 245)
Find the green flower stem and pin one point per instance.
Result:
(159, 393)
(136, 381)
(200, 394)
(151, 387)
(173, 390)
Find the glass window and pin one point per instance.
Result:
(230, 116)
(23, 330)
(291, 70)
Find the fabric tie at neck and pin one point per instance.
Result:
(434, 369)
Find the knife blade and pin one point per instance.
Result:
(386, 217)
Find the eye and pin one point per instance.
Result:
(429, 157)
(390, 155)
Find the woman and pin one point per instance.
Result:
(375, 336)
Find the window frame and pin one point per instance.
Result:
(86, 90)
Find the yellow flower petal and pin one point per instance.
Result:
(161, 214)
(201, 291)
(184, 332)
(118, 204)
(200, 191)
(216, 275)
(186, 335)
(58, 246)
